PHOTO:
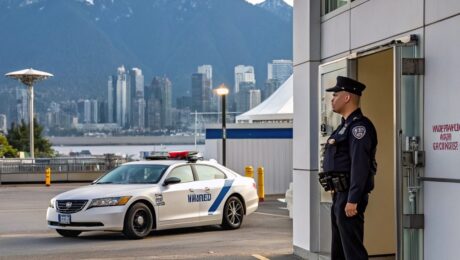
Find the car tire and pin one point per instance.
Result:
(138, 221)
(233, 213)
(68, 233)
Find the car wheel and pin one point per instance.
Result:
(68, 233)
(138, 221)
(233, 213)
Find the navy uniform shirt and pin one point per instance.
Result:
(351, 149)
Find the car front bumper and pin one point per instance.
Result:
(101, 218)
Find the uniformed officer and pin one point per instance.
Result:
(350, 165)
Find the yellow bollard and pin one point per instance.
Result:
(260, 183)
(249, 171)
(48, 176)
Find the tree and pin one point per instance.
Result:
(18, 137)
(6, 150)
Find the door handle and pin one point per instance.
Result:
(207, 189)
(191, 190)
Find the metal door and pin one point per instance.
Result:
(409, 69)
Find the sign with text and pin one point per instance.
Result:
(448, 136)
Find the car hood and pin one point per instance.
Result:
(107, 190)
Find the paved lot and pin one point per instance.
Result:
(266, 234)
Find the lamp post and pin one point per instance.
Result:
(222, 91)
(28, 77)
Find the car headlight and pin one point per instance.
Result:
(51, 205)
(106, 202)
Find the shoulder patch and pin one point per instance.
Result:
(359, 131)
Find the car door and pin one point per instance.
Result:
(214, 186)
(176, 209)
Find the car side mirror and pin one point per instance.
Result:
(171, 180)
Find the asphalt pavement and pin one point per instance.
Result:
(266, 234)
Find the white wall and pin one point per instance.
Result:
(275, 155)
(442, 89)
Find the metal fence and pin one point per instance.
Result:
(61, 164)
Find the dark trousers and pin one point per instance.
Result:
(347, 232)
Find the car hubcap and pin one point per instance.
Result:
(140, 221)
(234, 212)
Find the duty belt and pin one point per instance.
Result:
(334, 181)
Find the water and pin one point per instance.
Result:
(126, 150)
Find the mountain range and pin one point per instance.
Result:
(82, 42)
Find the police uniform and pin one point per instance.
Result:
(350, 153)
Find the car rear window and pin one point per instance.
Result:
(205, 173)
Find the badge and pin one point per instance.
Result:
(331, 141)
(359, 132)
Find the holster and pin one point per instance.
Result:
(338, 182)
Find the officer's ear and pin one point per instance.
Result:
(347, 97)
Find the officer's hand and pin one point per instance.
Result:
(351, 209)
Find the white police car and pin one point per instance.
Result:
(138, 197)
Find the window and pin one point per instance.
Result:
(184, 173)
(134, 173)
(205, 173)
(331, 5)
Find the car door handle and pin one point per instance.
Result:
(208, 190)
(191, 190)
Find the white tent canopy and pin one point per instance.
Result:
(279, 107)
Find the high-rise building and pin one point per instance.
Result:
(84, 111)
(159, 104)
(210, 99)
(94, 111)
(254, 98)
(207, 71)
(271, 85)
(122, 98)
(139, 113)
(112, 99)
(243, 74)
(137, 116)
(22, 105)
(248, 97)
(3, 124)
(198, 92)
(102, 112)
(279, 70)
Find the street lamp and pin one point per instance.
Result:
(222, 91)
(28, 77)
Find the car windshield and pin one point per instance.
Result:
(134, 174)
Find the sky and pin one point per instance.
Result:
(289, 2)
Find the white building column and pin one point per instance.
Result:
(305, 140)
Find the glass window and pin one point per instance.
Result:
(134, 173)
(184, 173)
(205, 173)
(331, 5)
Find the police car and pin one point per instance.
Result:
(141, 196)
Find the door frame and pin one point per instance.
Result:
(400, 141)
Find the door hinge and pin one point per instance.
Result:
(413, 66)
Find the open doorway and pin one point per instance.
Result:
(376, 71)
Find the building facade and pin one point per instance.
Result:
(279, 70)
(406, 53)
(243, 74)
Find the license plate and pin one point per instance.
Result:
(64, 219)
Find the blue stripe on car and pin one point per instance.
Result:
(220, 197)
